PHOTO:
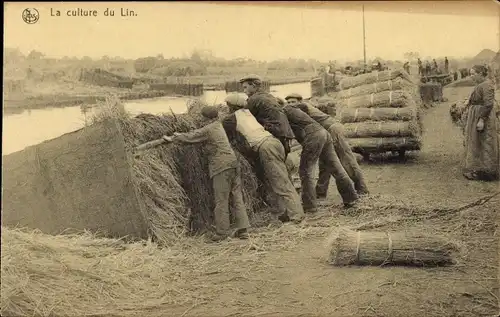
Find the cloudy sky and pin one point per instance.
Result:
(328, 31)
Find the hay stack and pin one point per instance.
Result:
(395, 125)
(380, 105)
(347, 247)
(374, 77)
(172, 180)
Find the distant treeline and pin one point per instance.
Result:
(198, 64)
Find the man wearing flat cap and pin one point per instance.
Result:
(341, 146)
(265, 108)
(267, 152)
(224, 173)
(317, 144)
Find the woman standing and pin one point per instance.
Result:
(481, 138)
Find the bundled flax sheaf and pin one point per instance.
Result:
(384, 99)
(384, 144)
(374, 77)
(382, 129)
(380, 112)
(348, 247)
(377, 114)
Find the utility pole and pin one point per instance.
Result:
(364, 39)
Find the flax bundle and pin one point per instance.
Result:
(382, 129)
(348, 247)
(385, 99)
(394, 84)
(370, 78)
(348, 115)
(372, 145)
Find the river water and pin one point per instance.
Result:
(35, 126)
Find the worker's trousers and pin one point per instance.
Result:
(272, 170)
(348, 161)
(228, 197)
(319, 146)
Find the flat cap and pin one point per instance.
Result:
(294, 95)
(236, 99)
(250, 77)
(210, 112)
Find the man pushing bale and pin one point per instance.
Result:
(268, 153)
(224, 173)
(265, 108)
(317, 144)
(341, 146)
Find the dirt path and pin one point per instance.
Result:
(281, 273)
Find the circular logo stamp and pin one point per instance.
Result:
(31, 15)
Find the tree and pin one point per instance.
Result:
(35, 55)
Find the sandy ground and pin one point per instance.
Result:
(281, 271)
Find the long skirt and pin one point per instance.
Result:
(482, 158)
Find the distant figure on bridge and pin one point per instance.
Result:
(481, 138)
(420, 67)
(446, 65)
(434, 67)
(427, 68)
(406, 67)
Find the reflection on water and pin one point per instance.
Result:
(35, 126)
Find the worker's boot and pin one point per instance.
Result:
(241, 234)
(216, 237)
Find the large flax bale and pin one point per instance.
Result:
(186, 168)
(431, 92)
(348, 247)
(348, 115)
(81, 180)
(381, 129)
(370, 78)
(393, 99)
(394, 84)
(373, 145)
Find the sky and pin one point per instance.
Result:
(174, 29)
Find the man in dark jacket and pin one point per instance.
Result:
(265, 108)
(317, 143)
(341, 146)
(251, 139)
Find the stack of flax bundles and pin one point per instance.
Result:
(380, 112)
